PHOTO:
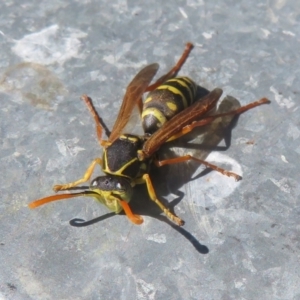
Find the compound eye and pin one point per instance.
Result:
(119, 186)
(94, 182)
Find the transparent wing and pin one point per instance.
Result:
(134, 92)
(184, 118)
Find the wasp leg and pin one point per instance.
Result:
(136, 219)
(160, 163)
(87, 175)
(99, 127)
(153, 197)
(173, 72)
(210, 119)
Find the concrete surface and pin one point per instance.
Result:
(240, 240)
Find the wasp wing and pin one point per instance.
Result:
(134, 92)
(186, 117)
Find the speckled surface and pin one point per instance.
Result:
(240, 240)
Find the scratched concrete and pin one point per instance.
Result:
(240, 240)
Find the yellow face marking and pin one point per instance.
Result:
(175, 91)
(106, 198)
(172, 106)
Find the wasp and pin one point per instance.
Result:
(171, 110)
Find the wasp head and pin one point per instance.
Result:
(109, 190)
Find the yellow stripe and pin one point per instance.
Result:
(156, 113)
(148, 99)
(175, 91)
(120, 172)
(133, 139)
(192, 83)
(183, 83)
(172, 106)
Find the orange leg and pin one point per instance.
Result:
(210, 119)
(189, 157)
(173, 72)
(87, 175)
(87, 100)
(154, 198)
(135, 219)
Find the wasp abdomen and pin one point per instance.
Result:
(166, 101)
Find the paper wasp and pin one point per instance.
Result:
(127, 158)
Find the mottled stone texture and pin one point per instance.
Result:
(240, 240)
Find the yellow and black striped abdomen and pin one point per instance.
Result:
(166, 101)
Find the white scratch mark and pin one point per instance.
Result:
(50, 45)
(73, 119)
(112, 60)
(207, 35)
(95, 75)
(33, 287)
(273, 18)
(279, 4)
(247, 263)
(251, 82)
(178, 265)
(247, 146)
(183, 12)
(293, 132)
(283, 102)
(222, 158)
(284, 159)
(266, 234)
(68, 146)
(207, 69)
(144, 290)
(286, 32)
(61, 147)
(194, 3)
(217, 186)
(53, 164)
(282, 184)
(157, 238)
(265, 32)
(109, 59)
(240, 284)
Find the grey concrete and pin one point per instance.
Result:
(240, 240)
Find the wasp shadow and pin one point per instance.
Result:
(142, 205)
(199, 143)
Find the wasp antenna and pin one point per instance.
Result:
(52, 198)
